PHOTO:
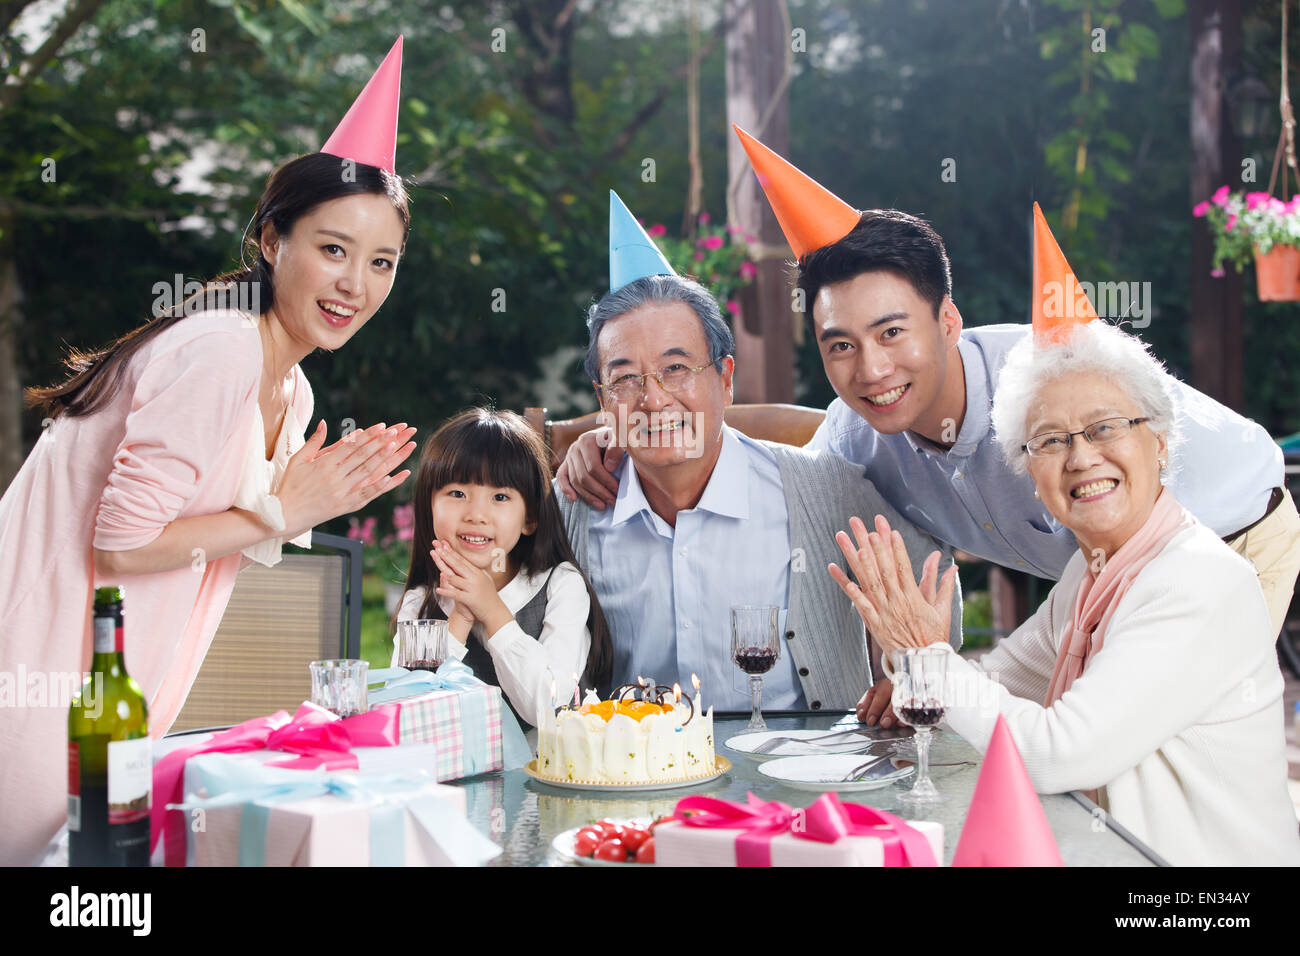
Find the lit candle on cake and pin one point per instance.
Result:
(699, 698)
(575, 691)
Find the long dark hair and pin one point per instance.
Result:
(292, 191)
(483, 446)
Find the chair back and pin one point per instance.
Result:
(786, 424)
(278, 621)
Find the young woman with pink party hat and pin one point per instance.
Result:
(176, 454)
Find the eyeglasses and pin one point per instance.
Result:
(1098, 433)
(673, 379)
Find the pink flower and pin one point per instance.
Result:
(404, 516)
(1220, 197)
(750, 239)
(699, 257)
(1200, 209)
(1217, 273)
(711, 242)
(1255, 200)
(748, 270)
(1232, 221)
(365, 532)
(735, 230)
(704, 218)
(733, 307)
(405, 534)
(658, 229)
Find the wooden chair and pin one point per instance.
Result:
(306, 608)
(787, 424)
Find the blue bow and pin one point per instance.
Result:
(399, 682)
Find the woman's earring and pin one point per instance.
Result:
(1035, 492)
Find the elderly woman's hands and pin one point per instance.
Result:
(896, 611)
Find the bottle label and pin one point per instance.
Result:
(108, 636)
(74, 787)
(130, 779)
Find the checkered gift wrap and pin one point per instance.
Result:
(464, 725)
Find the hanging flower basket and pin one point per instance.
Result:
(1277, 274)
(1259, 227)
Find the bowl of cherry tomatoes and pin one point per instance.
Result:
(609, 842)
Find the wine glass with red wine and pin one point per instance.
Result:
(755, 646)
(920, 674)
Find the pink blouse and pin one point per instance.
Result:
(171, 444)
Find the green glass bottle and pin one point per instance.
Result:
(110, 764)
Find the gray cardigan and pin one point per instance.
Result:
(824, 633)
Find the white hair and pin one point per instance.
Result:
(1121, 358)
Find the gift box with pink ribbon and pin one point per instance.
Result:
(707, 831)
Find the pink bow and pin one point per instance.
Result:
(320, 739)
(826, 821)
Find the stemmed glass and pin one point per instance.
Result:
(755, 647)
(919, 677)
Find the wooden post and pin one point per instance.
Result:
(758, 42)
(1216, 347)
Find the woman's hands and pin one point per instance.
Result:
(896, 611)
(472, 588)
(323, 483)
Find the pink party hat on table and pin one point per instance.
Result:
(1005, 825)
(368, 133)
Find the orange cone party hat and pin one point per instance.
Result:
(1005, 825)
(811, 216)
(368, 133)
(1059, 301)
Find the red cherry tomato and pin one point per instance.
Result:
(585, 844)
(633, 837)
(612, 851)
(594, 830)
(613, 831)
(646, 853)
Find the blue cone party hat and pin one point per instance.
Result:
(632, 254)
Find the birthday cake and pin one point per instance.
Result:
(657, 737)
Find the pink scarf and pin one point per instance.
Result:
(1100, 594)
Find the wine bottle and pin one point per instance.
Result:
(110, 765)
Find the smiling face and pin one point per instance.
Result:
(1103, 493)
(334, 269)
(888, 358)
(483, 524)
(666, 430)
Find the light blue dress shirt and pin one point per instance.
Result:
(968, 497)
(667, 591)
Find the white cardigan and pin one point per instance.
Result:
(1178, 719)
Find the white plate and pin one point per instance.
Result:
(748, 743)
(721, 766)
(828, 772)
(563, 845)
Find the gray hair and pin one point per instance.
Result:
(1120, 357)
(660, 290)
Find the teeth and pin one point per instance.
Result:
(887, 398)
(1095, 488)
(473, 539)
(338, 310)
(666, 426)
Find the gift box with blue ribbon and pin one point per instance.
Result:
(241, 812)
(457, 713)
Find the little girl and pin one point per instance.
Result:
(521, 614)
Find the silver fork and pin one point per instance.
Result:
(862, 769)
(767, 746)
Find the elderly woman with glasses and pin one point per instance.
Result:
(1148, 676)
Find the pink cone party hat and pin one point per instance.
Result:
(1005, 825)
(368, 133)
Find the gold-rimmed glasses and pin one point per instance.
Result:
(629, 387)
(1098, 433)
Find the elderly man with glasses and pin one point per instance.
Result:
(706, 518)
